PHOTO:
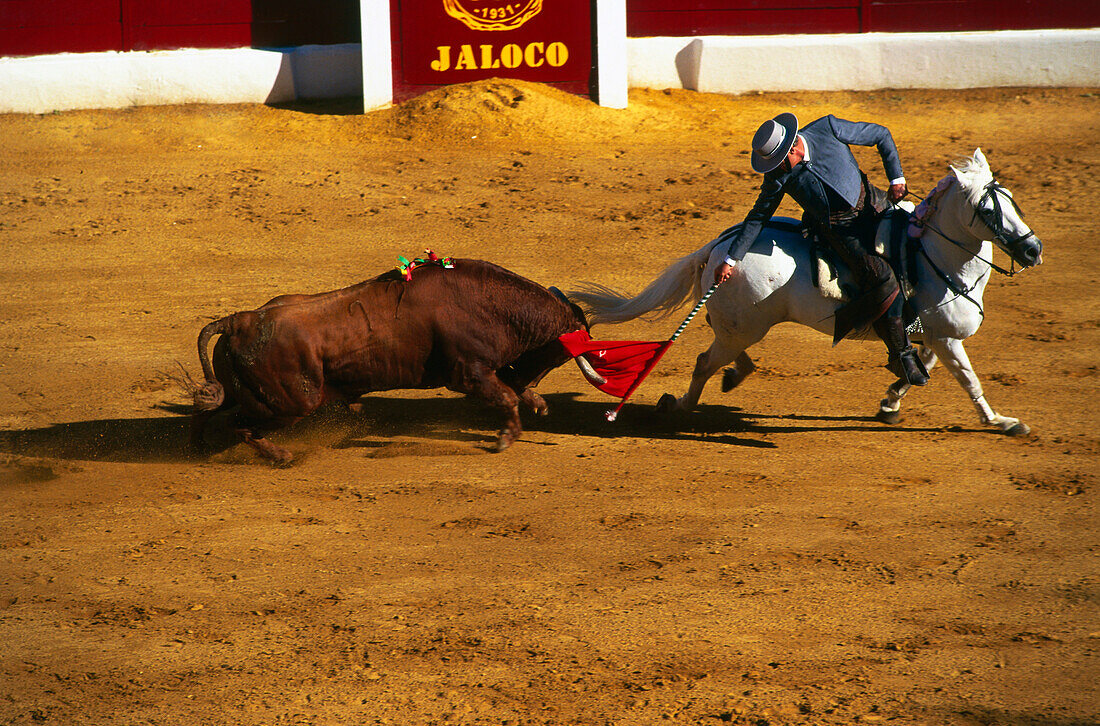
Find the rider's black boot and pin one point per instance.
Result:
(904, 362)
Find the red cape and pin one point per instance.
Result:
(624, 363)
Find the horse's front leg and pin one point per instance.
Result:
(953, 355)
(889, 408)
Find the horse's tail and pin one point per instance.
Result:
(679, 282)
(211, 394)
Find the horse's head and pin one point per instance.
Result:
(996, 211)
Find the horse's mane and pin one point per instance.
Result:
(974, 174)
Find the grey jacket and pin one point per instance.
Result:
(826, 183)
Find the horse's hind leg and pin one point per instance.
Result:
(889, 408)
(719, 354)
(955, 359)
(738, 372)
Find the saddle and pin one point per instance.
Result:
(892, 243)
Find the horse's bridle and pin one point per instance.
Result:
(994, 219)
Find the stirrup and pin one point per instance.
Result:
(908, 366)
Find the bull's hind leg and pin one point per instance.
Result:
(251, 430)
(268, 450)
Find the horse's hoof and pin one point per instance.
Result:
(888, 417)
(730, 379)
(1018, 429)
(666, 405)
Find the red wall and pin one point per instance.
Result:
(31, 27)
(421, 29)
(771, 17)
(35, 27)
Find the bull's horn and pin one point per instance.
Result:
(589, 372)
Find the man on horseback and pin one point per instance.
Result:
(815, 166)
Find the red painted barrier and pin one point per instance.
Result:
(753, 17)
(440, 42)
(32, 27)
(37, 27)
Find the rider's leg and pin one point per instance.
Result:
(904, 362)
(879, 304)
(878, 288)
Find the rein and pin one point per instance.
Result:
(993, 221)
(996, 228)
(951, 285)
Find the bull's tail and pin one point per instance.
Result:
(680, 281)
(211, 394)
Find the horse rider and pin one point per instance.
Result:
(815, 166)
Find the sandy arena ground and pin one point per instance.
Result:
(778, 557)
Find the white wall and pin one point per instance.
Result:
(41, 84)
(718, 64)
(724, 64)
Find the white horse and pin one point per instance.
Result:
(773, 284)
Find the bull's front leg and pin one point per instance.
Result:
(481, 381)
(534, 401)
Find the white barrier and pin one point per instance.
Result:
(41, 84)
(718, 64)
(867, 61)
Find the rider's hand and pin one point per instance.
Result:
(722, 273)
(897, 192)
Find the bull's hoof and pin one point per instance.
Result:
(888, 417)
(505, 440)
(1018, 429)
(283, 460)
(666, 405)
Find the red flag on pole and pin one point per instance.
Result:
(624, 364)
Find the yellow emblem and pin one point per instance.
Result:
(493, 14)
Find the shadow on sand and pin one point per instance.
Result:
(454, 419)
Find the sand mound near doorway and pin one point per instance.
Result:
(505, 108)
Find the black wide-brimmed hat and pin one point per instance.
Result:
(773, 141)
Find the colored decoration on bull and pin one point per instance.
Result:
(406, 267)
(624, 364)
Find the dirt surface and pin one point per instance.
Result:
(778, 557)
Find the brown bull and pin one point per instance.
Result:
(476, 329)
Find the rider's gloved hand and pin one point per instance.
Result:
(897, 192)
